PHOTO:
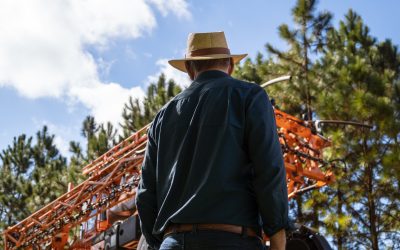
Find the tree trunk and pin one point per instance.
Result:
(339, 233)
(371, 199)
(305, 69)
(299, 206)
(372, 209)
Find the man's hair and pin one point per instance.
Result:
(201, 65)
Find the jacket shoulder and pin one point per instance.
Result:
(236, 83)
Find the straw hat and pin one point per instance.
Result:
(205, 46)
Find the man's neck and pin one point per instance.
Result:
(216, 68)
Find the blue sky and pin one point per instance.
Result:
(63, 60)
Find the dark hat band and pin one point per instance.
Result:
(209, 51)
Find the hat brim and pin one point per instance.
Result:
(180, 63)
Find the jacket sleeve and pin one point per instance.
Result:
(266, 155)
(146, 199)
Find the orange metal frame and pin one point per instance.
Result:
(302, 151)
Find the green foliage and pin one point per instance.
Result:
(137, 114)
(17, 160)
(359, 85)
(99, 139)
(31, 175)
(47, 174)
(305, 40)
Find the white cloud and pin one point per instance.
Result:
(42, 47)
(178, 7)
(104, 67)
(106, 100)
(180, 78)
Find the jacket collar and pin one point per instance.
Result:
(210, 74)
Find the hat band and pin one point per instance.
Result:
(209, 51)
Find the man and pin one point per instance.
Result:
(213, 174)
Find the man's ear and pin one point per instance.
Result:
(189, 70)
(231, 66)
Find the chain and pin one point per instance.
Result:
(287, 149)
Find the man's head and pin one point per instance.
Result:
(206, 51)
(195, 67)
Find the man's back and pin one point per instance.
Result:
(216, 157)
(203, 168)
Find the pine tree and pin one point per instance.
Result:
(76, 163)
(360, 78)
(305, 40)
(16, 189)
(99, 139)
(252, 72)
(32, 173)
(49, 173)
(136, 114)
(132, 117)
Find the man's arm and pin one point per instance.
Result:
(269, 171)
(146, 199)
(278, 240)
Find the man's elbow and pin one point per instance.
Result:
(278, 240)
